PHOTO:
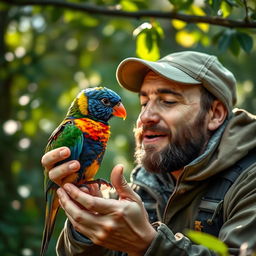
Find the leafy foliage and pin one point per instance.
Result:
(216, 245)
(48, 53)
(208, 241)
(148, 36)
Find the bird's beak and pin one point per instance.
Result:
(119, 110)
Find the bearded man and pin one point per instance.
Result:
(189, 139)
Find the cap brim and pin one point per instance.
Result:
(131, 72)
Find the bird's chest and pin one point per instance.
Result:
(96, 135)
(93, 130)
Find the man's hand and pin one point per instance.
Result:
(58, 173)
(120, 225)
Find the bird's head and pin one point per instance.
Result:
(100, 103)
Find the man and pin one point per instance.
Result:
(187, 135)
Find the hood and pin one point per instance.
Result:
(236, 140)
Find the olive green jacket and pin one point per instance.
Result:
(175, 205)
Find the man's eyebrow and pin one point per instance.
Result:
(168, 91)
(162, 91)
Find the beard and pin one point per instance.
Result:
(187, 145)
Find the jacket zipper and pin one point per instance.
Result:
(172, 195)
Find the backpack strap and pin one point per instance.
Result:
(210, 214)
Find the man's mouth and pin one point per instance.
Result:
(150, 136)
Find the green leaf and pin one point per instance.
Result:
(236, 3)
(217, 36)
(158, 29)
(81, 18)
(226, 9)
(224, 43)
(181, 4)
(186, 38)
(252, 13)
(158, 32)
(178, 24)
(128, 6)
(205, 41)
(215, 5)
(147, 46)
(245, 41)
(209, 241)
(225, 40)
(234, 46)
(149, 39)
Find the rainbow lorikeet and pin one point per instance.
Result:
(85, 130)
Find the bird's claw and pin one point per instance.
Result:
(100, 182)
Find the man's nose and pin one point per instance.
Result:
(149, 114)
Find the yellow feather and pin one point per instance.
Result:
(82, 103)
(91, 170)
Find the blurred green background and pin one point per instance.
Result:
(48, 53)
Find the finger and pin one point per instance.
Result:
(92, 189)
(52, 157)
(91, 203)
(90, 231)
(77, 226)
(73, 210)
(85, 190)
(59, 172)
(122, 187)
(79, 205)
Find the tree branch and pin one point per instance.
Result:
(114, 11)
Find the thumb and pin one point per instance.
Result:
(120, 184)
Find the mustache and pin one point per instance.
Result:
(138, 131)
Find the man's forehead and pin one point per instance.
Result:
(156, 84)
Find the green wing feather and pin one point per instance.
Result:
(67, 134)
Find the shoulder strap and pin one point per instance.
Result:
(210, 215)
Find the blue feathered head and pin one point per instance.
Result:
(100, 104)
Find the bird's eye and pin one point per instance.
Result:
(105, 101)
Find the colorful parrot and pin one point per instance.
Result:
(85, 130)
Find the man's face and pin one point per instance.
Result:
(171, 129)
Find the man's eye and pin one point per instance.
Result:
(168, 102)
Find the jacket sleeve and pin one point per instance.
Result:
(166, 243)
(70, 242)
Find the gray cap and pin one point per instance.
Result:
(187, 67)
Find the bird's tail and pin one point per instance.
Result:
(52, 207)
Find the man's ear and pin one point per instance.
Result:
(217, 115)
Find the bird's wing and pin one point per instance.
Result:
(67, 134)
